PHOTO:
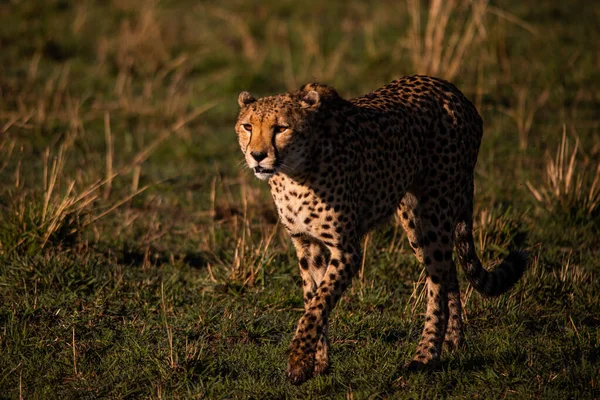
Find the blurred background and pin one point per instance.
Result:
(139, 256)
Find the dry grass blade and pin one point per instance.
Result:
(109, 154)
(6, 149)
(172, 362)
(418, 294)
(512, 18)
(115, 206)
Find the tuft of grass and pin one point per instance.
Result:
(44, 216)
(570, 187)
(56, 213)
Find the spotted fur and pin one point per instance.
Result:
(337, 168)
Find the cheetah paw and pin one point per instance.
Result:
(301, 367)
(321, 366)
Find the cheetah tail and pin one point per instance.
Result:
(488, 283)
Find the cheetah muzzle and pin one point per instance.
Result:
(337, 168)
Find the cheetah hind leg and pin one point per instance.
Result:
(433, 248)
(453, 339)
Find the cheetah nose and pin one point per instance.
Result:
(258, 156)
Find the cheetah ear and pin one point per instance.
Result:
(245, 98)
(311, 100)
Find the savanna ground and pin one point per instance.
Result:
(140, 258)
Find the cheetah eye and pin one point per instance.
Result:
(279, 129)
(247, 127)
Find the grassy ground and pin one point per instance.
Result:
(139, 258)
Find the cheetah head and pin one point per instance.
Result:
(274, 132)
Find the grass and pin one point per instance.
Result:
(140, 258)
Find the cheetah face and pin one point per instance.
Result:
(273, 132)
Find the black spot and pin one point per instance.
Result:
(319, 260)
(437, 254)
(304, 263)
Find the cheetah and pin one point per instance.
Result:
(337, 168)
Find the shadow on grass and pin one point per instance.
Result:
(151, 256)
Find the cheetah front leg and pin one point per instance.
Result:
(308, 351)
(313, 260)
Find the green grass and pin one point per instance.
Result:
(140, 258)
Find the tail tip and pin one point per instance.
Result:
(518, 258)
(518, 261)
(513, 267)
